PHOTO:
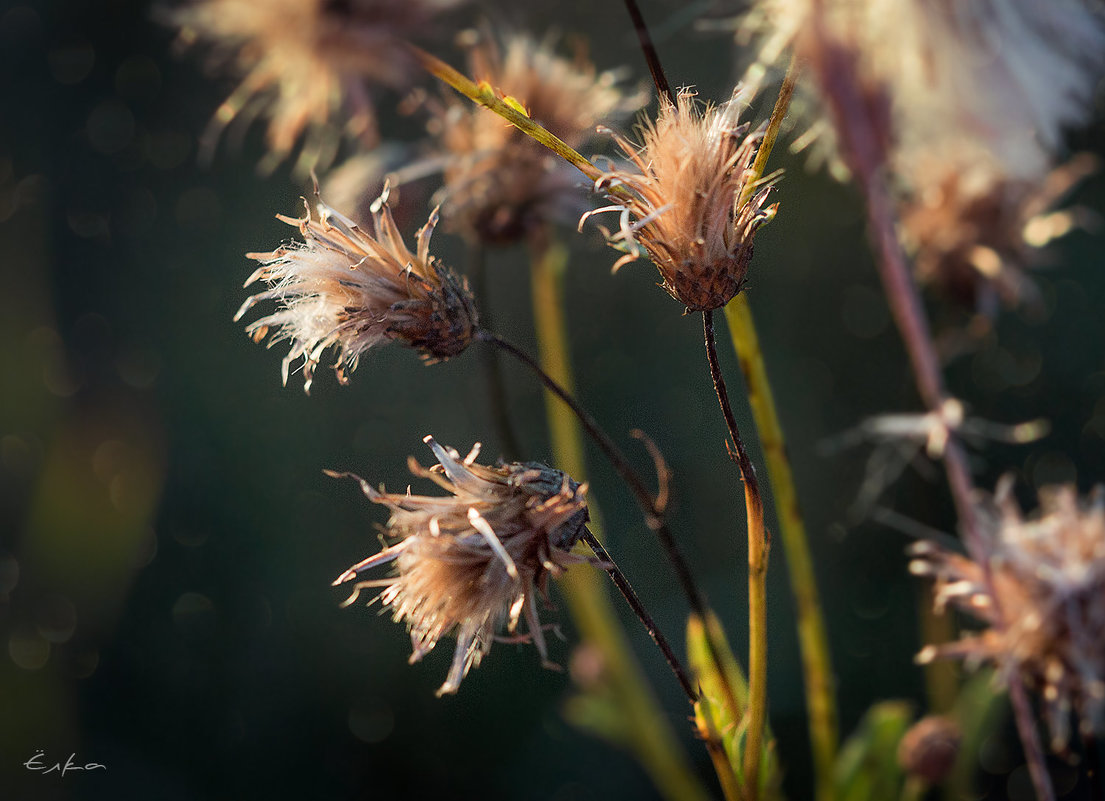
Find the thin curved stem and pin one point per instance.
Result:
(757, 572)
(622, 583)
(645, 729)
(649, 50)
(654, 515)
(813, 639)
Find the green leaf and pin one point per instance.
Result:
(867, 766)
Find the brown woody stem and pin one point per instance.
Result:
(649, 50)
(623, 585)
(654, 514)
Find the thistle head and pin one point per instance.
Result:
(1040, 590)
(499, 184)
(471, 561)
(685, 201)
(344, 288)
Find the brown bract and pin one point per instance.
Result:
(344, 288)
(1043, 602)
(468, 562)
(680, 201)
(500, 184)
(308, 62)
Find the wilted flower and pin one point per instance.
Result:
(500, 184)
(305, 61)
(347, 289)
(974, 232)
(467, 562)
(683, 204)
(1042, 594)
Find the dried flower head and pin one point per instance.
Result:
(681, 201)
(499, 184)
(344, 288)
(467, 562)
(973, 233)
(304, 61)
(1041, 591)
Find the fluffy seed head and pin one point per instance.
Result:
(680, 200)
(499, 184)
(467, 562)
(344, 288)
(308, 62)
(1043, 602)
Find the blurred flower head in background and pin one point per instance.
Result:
(467, 562)
(499, 184)
(969, 104)
(350, 290)
(682, 202)
(973, 233)
(1041, 590)
(309, 64)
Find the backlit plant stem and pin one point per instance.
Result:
(654, 513)
(813, 640)
(653, 741)
(756, 714)
(813, 637)
(651, 57)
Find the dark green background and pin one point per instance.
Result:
(165, 520)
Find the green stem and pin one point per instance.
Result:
(652, 738)
(813, 639)
(757, 574)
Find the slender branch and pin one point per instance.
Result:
(622, 583)
(757, 572)
(654, 514)
(646, 731)
(813, 639)
(493, 374)
(649, 50)
(862, 144)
